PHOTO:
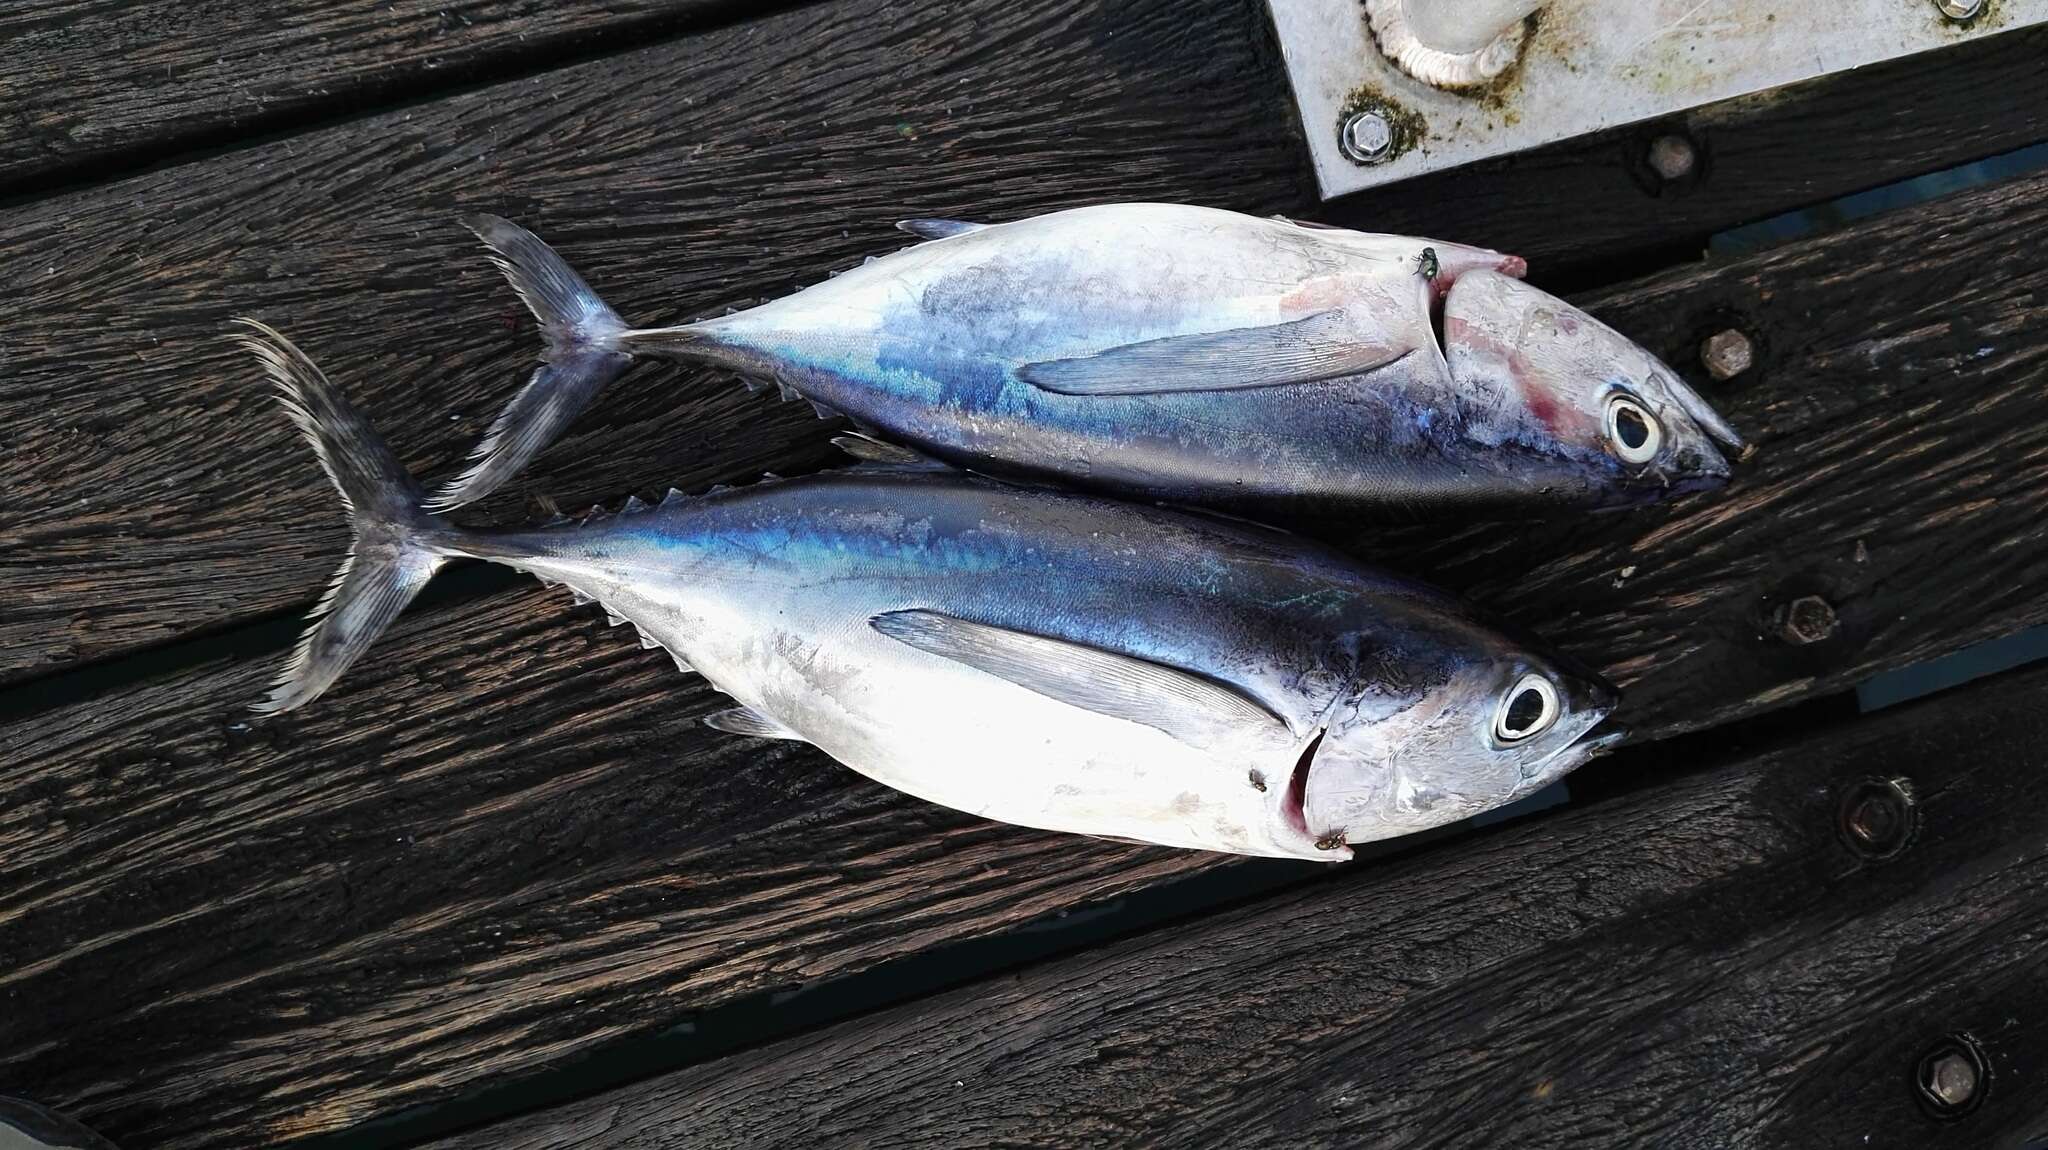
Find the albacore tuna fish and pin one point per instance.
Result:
(1046, 658)
(1174, 353)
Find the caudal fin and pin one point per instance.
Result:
(582, 356)
(395, 551)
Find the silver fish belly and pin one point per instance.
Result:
(1049, 659)
(1172, 352)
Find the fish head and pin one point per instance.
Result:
(1479, 721)
(1573, 405)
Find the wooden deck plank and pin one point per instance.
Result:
(90, 83)
(497, 844)
(157, 497)
(1700, 963)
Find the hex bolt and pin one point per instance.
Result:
(1951, 1077)
(1960, 10)
(1672, 157)
(1805, 620)
(1878, 817)
(1727, 354)
(1368, 137)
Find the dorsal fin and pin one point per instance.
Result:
(937, 229)
(672, 496)
(1191, 707)
(1323, 346)
(633, 506)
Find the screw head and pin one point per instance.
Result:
(1727, 354)
(1672, 157)
(1878, 817)
(1952, 1077)
(1960, 9)
(1368, 137)
(1807, 619)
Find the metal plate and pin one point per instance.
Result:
(1594, 64)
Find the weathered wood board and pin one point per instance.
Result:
(501, 844)
(91, 84)
(498, 843)
(160, 497)
(1702, 962)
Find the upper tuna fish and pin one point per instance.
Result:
(1174, 353)
(1052, 659)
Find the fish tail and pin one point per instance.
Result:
(584, 354)
(397, 545)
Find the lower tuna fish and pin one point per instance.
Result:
(1051, 659)
(1175, 353)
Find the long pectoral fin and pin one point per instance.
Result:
(1322, 346)
(1188, 706)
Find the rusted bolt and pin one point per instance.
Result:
(1878, 817)
(1368, 137)
(1727, 354)
(1672, 157)
(1960, 9)
(1952, 1077)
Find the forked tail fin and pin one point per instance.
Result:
(397, 546)
(583, 355)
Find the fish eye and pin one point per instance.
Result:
(1528, 709)
(1632, 430)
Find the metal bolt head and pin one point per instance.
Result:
(1952, 1077)
(1960, 9)
(1807, 619)
(1368, 137)
(1878, 817)
(1727, 354)
(1672, 157)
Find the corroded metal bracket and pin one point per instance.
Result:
(1501, 76)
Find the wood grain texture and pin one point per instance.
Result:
(151, 493)
(99, 82)
(496, 844)
(1699, 963)
(151, 489)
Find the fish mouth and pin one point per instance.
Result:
(1601, 738)
(1594, 741)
